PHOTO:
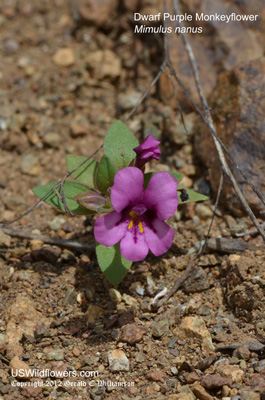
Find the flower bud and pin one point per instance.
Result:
(91, 200)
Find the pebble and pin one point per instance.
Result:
(30, 165)
(181, 396)
(78, 129)
(52, 139)
(56, 223)
(201, 393)
(195, 327)
(137, 288)
(232, 371)
(130, 301)
(64, 57)
(132, 333)
(5, 240)
(260, 366)
(156, 376)
(20, 368)
(115, 295)
(54, 354)
(46, 253)
(203, 211)
(3, 340)
(104, 64)
(118, 361)
(70, 297)
(159, 328)
(215, 381)
(22, 318)
(129, 100)
(92, 313)
(243, 353)
(249, 395)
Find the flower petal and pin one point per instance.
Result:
(161, 195)
(148, 149)
(158, 236)
(109, 229)
(127, 189)
(133, 247)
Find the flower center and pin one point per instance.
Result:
(136, 217)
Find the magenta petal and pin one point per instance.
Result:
(161, 195)
(134, 248)
(158, 236)
(127, 189)
(149, 148)
(109, 229)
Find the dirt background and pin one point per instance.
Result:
(67, 70)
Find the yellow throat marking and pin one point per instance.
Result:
(134, 216)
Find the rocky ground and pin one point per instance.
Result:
(67, 70)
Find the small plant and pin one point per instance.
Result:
(135, 205)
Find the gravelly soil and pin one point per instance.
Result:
(57, 311)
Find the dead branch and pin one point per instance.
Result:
(68, 244)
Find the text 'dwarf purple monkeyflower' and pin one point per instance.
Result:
(137, 221)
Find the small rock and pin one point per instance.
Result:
(64, 57)
(78, 130)
(14, 349)
(3, 339)
(258, 367)
(137, 288)
(249, 395)
(195, 327)
(54, 354)
(197, 281)
(201, 393)
(98, 12)
(243, 353)
(204, 212)
(19, 368)
(132, 333)
(215, 381)
(104, 64)
(159, 328)
(115, 295)
(156, 376)
(5, 240)
(56, 223)
(233, 372)
(52, 139)
(129, 100)
(30, 165)
(118, 361)
(46, 253)
(41, 331)
(92, 313)
(69, 297)
(130, 301)
(22, 317)
(181, 396)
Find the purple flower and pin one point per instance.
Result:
(146, 151)
(138, 219)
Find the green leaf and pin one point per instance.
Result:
(105, 174)
(176, 175)
(86, 173)
(119, 144)
(193, 196)
(71, 189)
(113, 265)
(149, 175)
